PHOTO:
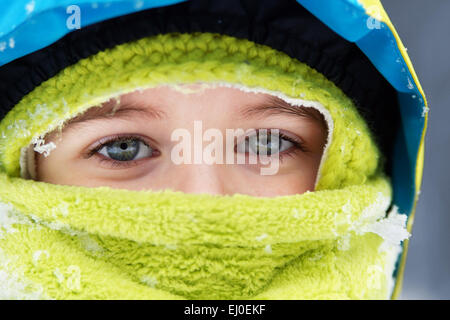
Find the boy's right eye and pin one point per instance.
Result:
(126, 149)
(121, 151)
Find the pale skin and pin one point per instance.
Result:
(141, 157)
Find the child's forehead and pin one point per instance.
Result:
(156, 102)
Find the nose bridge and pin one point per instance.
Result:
(200, 178)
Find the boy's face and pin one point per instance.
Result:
(188, 138)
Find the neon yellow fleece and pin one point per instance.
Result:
(68, 242)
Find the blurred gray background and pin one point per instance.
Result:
(424, 27)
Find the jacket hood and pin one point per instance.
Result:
(356, 32)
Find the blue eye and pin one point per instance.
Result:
(264, 143)
(126, 149)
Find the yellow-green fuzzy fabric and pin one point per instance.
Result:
(187, 58)
(70, 242)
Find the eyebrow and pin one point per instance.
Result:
(112, 109)
(273, 105)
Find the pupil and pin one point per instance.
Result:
(266, 144)
(123, 150)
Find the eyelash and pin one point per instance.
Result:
(299, 145)
(111, 162)
(93, 151)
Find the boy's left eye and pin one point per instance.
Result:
(263, 143)
(126, 149)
